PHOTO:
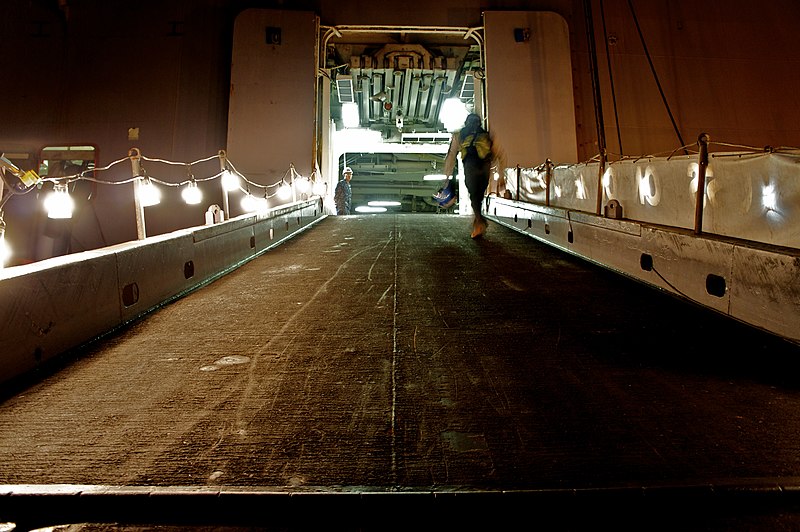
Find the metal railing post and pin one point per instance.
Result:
(548, 178)
(519, 184)
(223, 166)
(136, 170)
(600, 171)
(702, 141)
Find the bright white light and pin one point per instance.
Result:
(319, 188)
(580, 188)
(496, 175)
(302, 184)
(367, 209)
(434, 177)
(191, 194)
(249, 203)
(149, 195)
(59, 204)
(769, 198)
(453, 114)
(350, 115)
(230, 181)
(5, 249)
(557, 190)
(284, 191)
(384, 203)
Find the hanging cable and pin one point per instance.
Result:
(611, 78)
(655, 76)
(596, 97)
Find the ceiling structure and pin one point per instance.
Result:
(398, 82)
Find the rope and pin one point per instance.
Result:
(655, 76)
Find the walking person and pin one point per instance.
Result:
(477, 151)
(343, 195)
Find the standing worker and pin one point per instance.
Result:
(343, 195)
(477, 153)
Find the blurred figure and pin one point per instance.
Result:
(477, 150)
(342, 195)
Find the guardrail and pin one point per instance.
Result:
(738, 254)
(53, 306)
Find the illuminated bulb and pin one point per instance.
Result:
(383, 203)
(319, 188)
(364, 208)
(191, 194)
(350, 115)
(149, 195)
(434, 177)
(59, 204)
(230, 181)
(249, 203)
(5, 250)
(453, 114)
(496, 175)
(302, 185)
(284, 191)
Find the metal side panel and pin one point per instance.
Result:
(765, 290)
(55, 306)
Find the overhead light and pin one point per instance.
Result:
(350, 117)
(434, 177)
(453, 114)
(368, 209)
(384, 203)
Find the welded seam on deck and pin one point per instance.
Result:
(394, 359)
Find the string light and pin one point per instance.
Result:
(284, 191)
(58, 203)
(230, 181)
(192, 194)
(249, 203)
(149, 194)
(319, 188)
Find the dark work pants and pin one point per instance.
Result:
(476, 178)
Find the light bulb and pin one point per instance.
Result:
(191, 194)
(319, 188)
(249, 203)
(302, 185)
(284, 191)
(149, 195)
(230, 181)
(59, 204)
(5, 249)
